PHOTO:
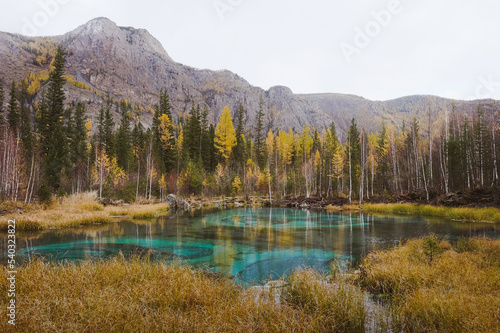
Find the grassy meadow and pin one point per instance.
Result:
(434, 286)
(71, 211)
(137, 295)
(464, 214)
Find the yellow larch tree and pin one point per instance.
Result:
(225, 139)
(165, 131)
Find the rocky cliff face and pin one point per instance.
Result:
(128, 63)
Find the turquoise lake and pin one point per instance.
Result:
(249, 244)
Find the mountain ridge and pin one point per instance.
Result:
(125, 63)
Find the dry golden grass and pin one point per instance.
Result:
(333, 209)
(338, 306)
(458, 290)
(137, 211)
(491, 215)
(10, 207)
(75, 210)
(136, 295)
(70, 211)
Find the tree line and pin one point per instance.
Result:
(50, 147)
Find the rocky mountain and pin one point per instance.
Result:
(108, 62)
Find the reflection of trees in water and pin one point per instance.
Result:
(277, 267)
(256, 242)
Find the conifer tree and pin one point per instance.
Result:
(77, 142)
(13, 110)
(207, 144)
(166, 133)
(333, 155)
(100, 126)
(79, 148)
(56, 150)
(165, 106)
(353, 151)
(225, 139)
(138, 145)
(192, 134)
(166, 157)
(305, 146)
(123, 141)
(25, 121)
(239, 149)
(56, 158)
(212, 161)
(383, 158)
(55, 94)
(259, 137)
(50, 126)
(108, 138)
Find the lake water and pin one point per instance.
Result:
(251, 244)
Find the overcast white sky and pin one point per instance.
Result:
(378, 49)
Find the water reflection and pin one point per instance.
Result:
(250, 244)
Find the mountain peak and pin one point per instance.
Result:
(104, 29)
(98, 25)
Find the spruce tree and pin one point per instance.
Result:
(168, 154)
(206, 140)
(108, 138)
(165, 106)
(138, 140)
(239, 150)
(192, 134)
(354, 150)
(100, 126)
(123, 141)
(79, 140)
(383, 158)
(42, 124)
(259, 137)
(212, 152)
(138, 137)
(13, 110)
(69, 132)
(52, 118)
(25, 121)
(55, 94)
(165, 156)
(56, 159)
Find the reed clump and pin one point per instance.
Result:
(139, 295)
(433, 286)
(465, 214)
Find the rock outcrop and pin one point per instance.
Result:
(177, 202)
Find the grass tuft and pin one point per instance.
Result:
(137, 211)
(337, 307)
(465, 214)
(71, 211)
(139, 295)
(455, 291)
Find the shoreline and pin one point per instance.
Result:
(106, 294)
(84, 209)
